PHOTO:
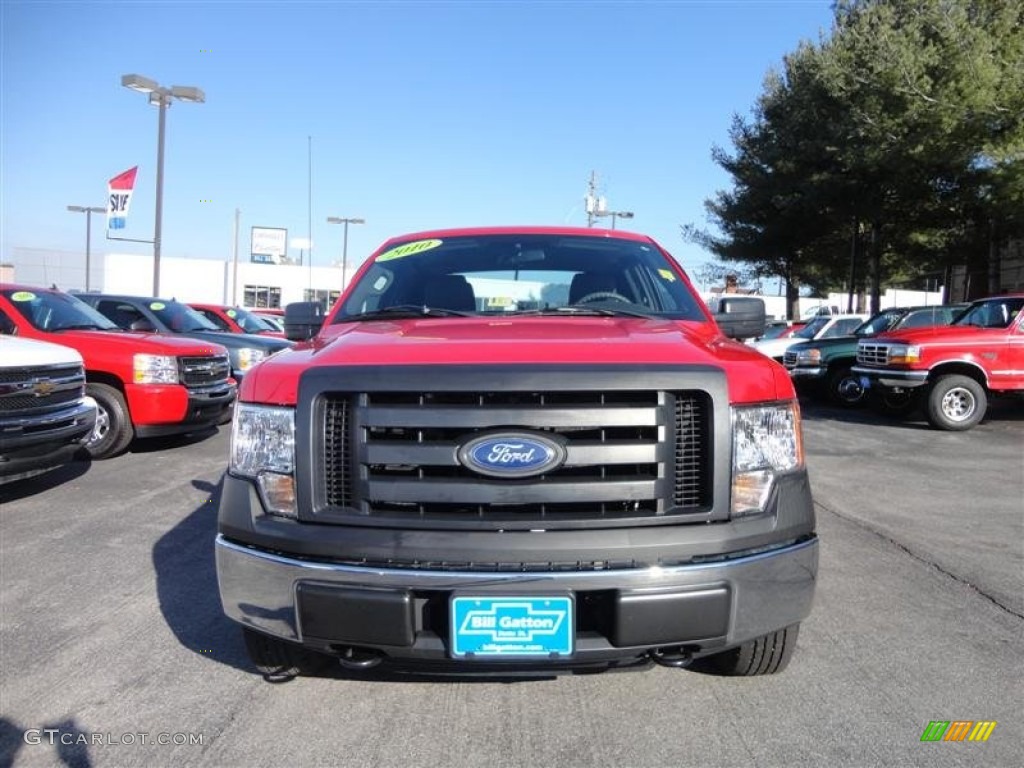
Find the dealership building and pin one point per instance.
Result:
(245, 283)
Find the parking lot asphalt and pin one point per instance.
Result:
(110, 628)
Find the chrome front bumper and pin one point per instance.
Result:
(759, 593)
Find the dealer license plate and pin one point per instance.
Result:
(511, 626)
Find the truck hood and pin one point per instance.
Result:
(831, 345)
(943, 332)
(235, 340)
(16, 352)
(135, 341)
(527, 340)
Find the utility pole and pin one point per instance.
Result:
(595, 205)
(234, 277)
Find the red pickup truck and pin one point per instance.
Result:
(951, 371)
(510, 448)
(144, 384)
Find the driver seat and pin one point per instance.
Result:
(586, 283)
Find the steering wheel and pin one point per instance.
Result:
(600, 295)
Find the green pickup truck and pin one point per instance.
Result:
(822, 367)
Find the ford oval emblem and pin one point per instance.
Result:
(512, 454)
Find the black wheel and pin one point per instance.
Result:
(275, 658)
(113, 431)
(955, 402)
(845, 389)
(893, 403)
(764, 655)
(225, 418)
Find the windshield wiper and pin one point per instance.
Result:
(404, 311)
(591, 311)
(81, 327)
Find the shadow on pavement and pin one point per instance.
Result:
(154, 444)
(29, 486)
(186, 585)
(65, 738)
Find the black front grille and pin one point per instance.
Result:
(391, 458)
(40, 389)
(204, 371)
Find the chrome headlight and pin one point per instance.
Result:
(263, 448)
(766, 440)
(154, 369)
(808, 356)
(904, 353)
(249, 357)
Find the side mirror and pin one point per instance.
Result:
(302, 320)
(741, 317)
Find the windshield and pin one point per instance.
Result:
(179, 317)
(248, 322)
(880, 323)
(994, 313)
(813, 328)
(510, 274)
(52, 311)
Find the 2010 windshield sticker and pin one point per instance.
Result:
(156, 306)
(231, 313)
(408, 249)
(667, 274)
(22, 296)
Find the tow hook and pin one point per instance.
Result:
(352, 657)
(677, 657)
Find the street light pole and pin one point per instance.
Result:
(344, 246)
(617, 215)
(163, 102)
(161, 97)
(88, 211)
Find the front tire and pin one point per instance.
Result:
(956, 403)
(763, 655)
(113, 431)
(276, 659)
(845, 389)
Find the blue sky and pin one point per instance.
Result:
(422, 114)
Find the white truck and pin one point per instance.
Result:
(45, 415)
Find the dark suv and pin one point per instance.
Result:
(140, 313)
(823, 367)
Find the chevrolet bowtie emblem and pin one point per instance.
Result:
(43, 387)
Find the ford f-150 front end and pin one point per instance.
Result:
(518, 448)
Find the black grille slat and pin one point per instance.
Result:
(338, 453)
(21, 375)
(21, 403)
(691, 455)
(390, 458)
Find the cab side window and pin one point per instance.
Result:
(7, 327)
(214, 318)
(122, 315)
